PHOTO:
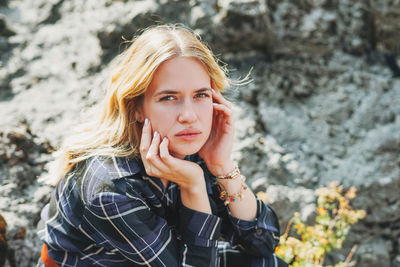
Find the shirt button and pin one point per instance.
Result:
(259, 231)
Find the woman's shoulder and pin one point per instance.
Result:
(104, 174)
(117, 167)
(107, 167)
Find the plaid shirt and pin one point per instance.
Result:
(109, 212)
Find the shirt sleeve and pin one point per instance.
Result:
(200, 232)
(259, 237)
(127, 224)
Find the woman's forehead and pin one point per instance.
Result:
(180, 74)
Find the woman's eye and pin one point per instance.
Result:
(202, 95)
(167, 98)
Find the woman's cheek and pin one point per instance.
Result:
(206, 117)
(162, 122)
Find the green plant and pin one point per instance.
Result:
(335, 217)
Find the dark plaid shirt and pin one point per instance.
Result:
(109, 212)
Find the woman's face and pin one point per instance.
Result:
(178, 103)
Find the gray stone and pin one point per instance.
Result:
(355, 27)
(5, 30)
(241, 26)
(286, 201)
(322, 104)
(373, 253)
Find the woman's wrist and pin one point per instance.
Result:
(194, 189)
(196, 198)
(232, 186)
(190, 178)
(223, 169)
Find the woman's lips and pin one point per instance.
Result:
(188, 135)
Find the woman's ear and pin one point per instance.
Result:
(139, 116)
(139, 113)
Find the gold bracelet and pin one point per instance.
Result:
(232, 198)
(230, 175)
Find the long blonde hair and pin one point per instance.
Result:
(115, 131)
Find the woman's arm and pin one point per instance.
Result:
(187, 175)
(216, 153)
(244, 208)
(258, 237)
(248, 222)
(128, 225)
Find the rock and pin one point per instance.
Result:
(20, 200)
(396, 262)
(322, 105)
(6, 252)
(241, 26)
(5, 31)
(373, 253)
(303, 27)
(355, 27)
(286, 201)
(111, 36)
(386, 21)
(54, 12)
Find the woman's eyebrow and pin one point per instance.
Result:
(172, 92)
(203, 89)
(166, 92)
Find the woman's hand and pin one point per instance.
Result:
(158, 162)
(216, 152)
(186, 174)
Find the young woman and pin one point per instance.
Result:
(150, 181)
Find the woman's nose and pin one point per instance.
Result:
(187, 113)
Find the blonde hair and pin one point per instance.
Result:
(115, 132)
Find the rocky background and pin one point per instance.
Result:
(323, 104)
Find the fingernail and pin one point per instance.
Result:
(165, 138)
(213, 90)
(155, 134)
(146, 121)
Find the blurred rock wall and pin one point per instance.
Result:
(324, 103)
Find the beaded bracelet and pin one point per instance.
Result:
(230, 175)
(232, 198)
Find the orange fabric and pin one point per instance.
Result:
(48, 262)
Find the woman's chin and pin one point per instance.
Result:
(184, 150)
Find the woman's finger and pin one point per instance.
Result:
(153, 155)
(145, 140)
(227, 112)
(165, 156)
(154, 166)
(152, 152)
(164, 153)
(220, 99)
